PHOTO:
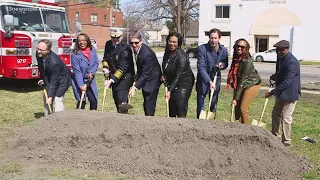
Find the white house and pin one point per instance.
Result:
(157, 35)
(263, 23)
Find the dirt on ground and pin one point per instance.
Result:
(154, 147)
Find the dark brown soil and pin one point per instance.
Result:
(155, 147)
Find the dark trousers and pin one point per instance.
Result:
(201, 100)
(178, 103)
(120, 96)
(92, 99)
(149, 102)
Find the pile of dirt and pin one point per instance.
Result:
(156, 147)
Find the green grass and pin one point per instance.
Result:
(11, 168)
(21, 103)
(307, 62)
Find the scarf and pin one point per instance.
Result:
(232, 75)
(86, 53)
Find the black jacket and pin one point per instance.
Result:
(148, 70)
(55, 74)
(288, 80)
(120, 64)
(176, 69)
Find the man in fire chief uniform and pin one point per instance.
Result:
(118, 69)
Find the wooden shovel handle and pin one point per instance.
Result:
(104, 97)
(232, 113)
(82, 95)
(46, 95)
(167, 101)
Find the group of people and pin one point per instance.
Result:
(128, 68)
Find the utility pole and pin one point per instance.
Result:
(110, 9)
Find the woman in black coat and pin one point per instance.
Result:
(177, 75)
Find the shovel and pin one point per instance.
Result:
(260, 123)
(46, 95)
(167, 100)
(82, 93)
(207, 114)
(104, 97)
(82, 96)
(232, 114)
(104, 91)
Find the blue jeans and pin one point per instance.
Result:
(201, 100)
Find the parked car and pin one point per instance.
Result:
(267, 56)
(192, 52)
(93, 42)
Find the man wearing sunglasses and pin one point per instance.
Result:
(55, 76)
(287, 91)
(118, 69)
(148, 74)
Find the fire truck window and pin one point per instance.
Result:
(25, 18)
(55, 21)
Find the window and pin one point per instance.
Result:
(105, 17)
(222, 11)
(94, 18)
(113, 19)
(77, 16)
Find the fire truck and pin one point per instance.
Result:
(23, 24)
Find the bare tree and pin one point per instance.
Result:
(103, 3)
(180, 12)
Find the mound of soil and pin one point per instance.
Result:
(156, 147)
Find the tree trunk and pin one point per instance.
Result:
(179, 16)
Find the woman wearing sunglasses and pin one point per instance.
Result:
(177, 75)
(244, 79)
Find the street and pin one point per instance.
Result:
(309, 74)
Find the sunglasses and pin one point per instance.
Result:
(239, 46)
(115, 37)
(134, 42)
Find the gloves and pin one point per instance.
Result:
(273, 77)
(106, 73)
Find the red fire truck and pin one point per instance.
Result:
(23, 24)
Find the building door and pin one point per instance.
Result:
(261, 44)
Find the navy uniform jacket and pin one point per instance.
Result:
(207, 59)
(288, 83)
(120, 64)
(55, 74)
(148, 70)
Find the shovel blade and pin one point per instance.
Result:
(261, 124)
(203, 114)
(210, 115)
(125, 106)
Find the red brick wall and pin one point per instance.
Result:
(97, 30)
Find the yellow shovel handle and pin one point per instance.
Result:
(104, 97)
(167, 101)
(232, 113)
(46, 95)
(82, 96)
(264, 107)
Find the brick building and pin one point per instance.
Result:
(95, 21)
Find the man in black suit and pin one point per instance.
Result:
(287, 91)
(55, 76)
(118, 67)
(148, 74)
